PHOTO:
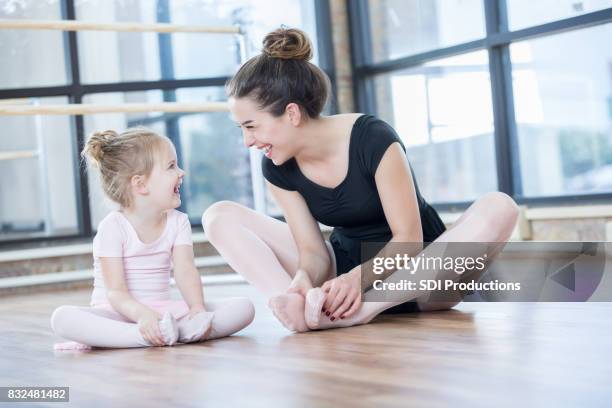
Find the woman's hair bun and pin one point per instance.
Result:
(288, 43)
(97, 144)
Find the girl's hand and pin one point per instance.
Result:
(301, 283)
(194, 310)
(148, 325)
(343, 295)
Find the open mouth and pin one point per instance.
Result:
(267, 150)
(177, 187)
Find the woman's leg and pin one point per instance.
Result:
(263, 251)
(98, 327)
(491, 218)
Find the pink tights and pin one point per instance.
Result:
(101, 327)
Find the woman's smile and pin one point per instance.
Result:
(267, 150)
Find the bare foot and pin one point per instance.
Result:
(289, 309)
(315, 298)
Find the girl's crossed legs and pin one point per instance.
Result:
(100, 327)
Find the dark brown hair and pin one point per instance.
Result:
(281, 74)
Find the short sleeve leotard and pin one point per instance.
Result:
(353, 207)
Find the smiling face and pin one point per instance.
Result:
(166, 178)
(275, 136)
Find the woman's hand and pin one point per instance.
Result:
(301, 283)
(343, 295)
(148, 325)
(195, 309)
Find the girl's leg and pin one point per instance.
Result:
(231, 316)
(491, 218)
(104, 328)
(263, 251)
(222, 318)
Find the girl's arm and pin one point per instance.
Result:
(122, 301)
(187, 277)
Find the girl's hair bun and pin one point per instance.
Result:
(97, 144)
(288, 43)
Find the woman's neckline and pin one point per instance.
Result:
(349, 166)
(140, 241)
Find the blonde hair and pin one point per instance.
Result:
(120, 156)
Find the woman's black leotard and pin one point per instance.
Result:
(353, 207)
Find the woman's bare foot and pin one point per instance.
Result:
(362, 316)
(289, 309)
(315, 298)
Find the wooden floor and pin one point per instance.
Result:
(479, 354)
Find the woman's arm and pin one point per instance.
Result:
(314, 260)
(187, 277)
(398, 197)
(122, 301)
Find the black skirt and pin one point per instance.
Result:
(348, 251)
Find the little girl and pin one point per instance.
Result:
(134, 250)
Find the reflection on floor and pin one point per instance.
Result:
(478, 354)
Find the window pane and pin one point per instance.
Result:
(36, 159)
(126, 56)
(563, 105)
(256, 18)
(117, 57)
(526, 13)
(214, 158)
(405, 27)
(22, 50)
(442, 111)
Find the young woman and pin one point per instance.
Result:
(348, 171)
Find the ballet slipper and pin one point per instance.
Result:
(315, 298)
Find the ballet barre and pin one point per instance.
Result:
(89, 109)
(74, 25)
(21, 154)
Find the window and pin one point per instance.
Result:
(400, 28)
(525, 13)
(523, 112)
(36, 158)
(21, 47)
(442, 112)
(41, 66)
(564, 112)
